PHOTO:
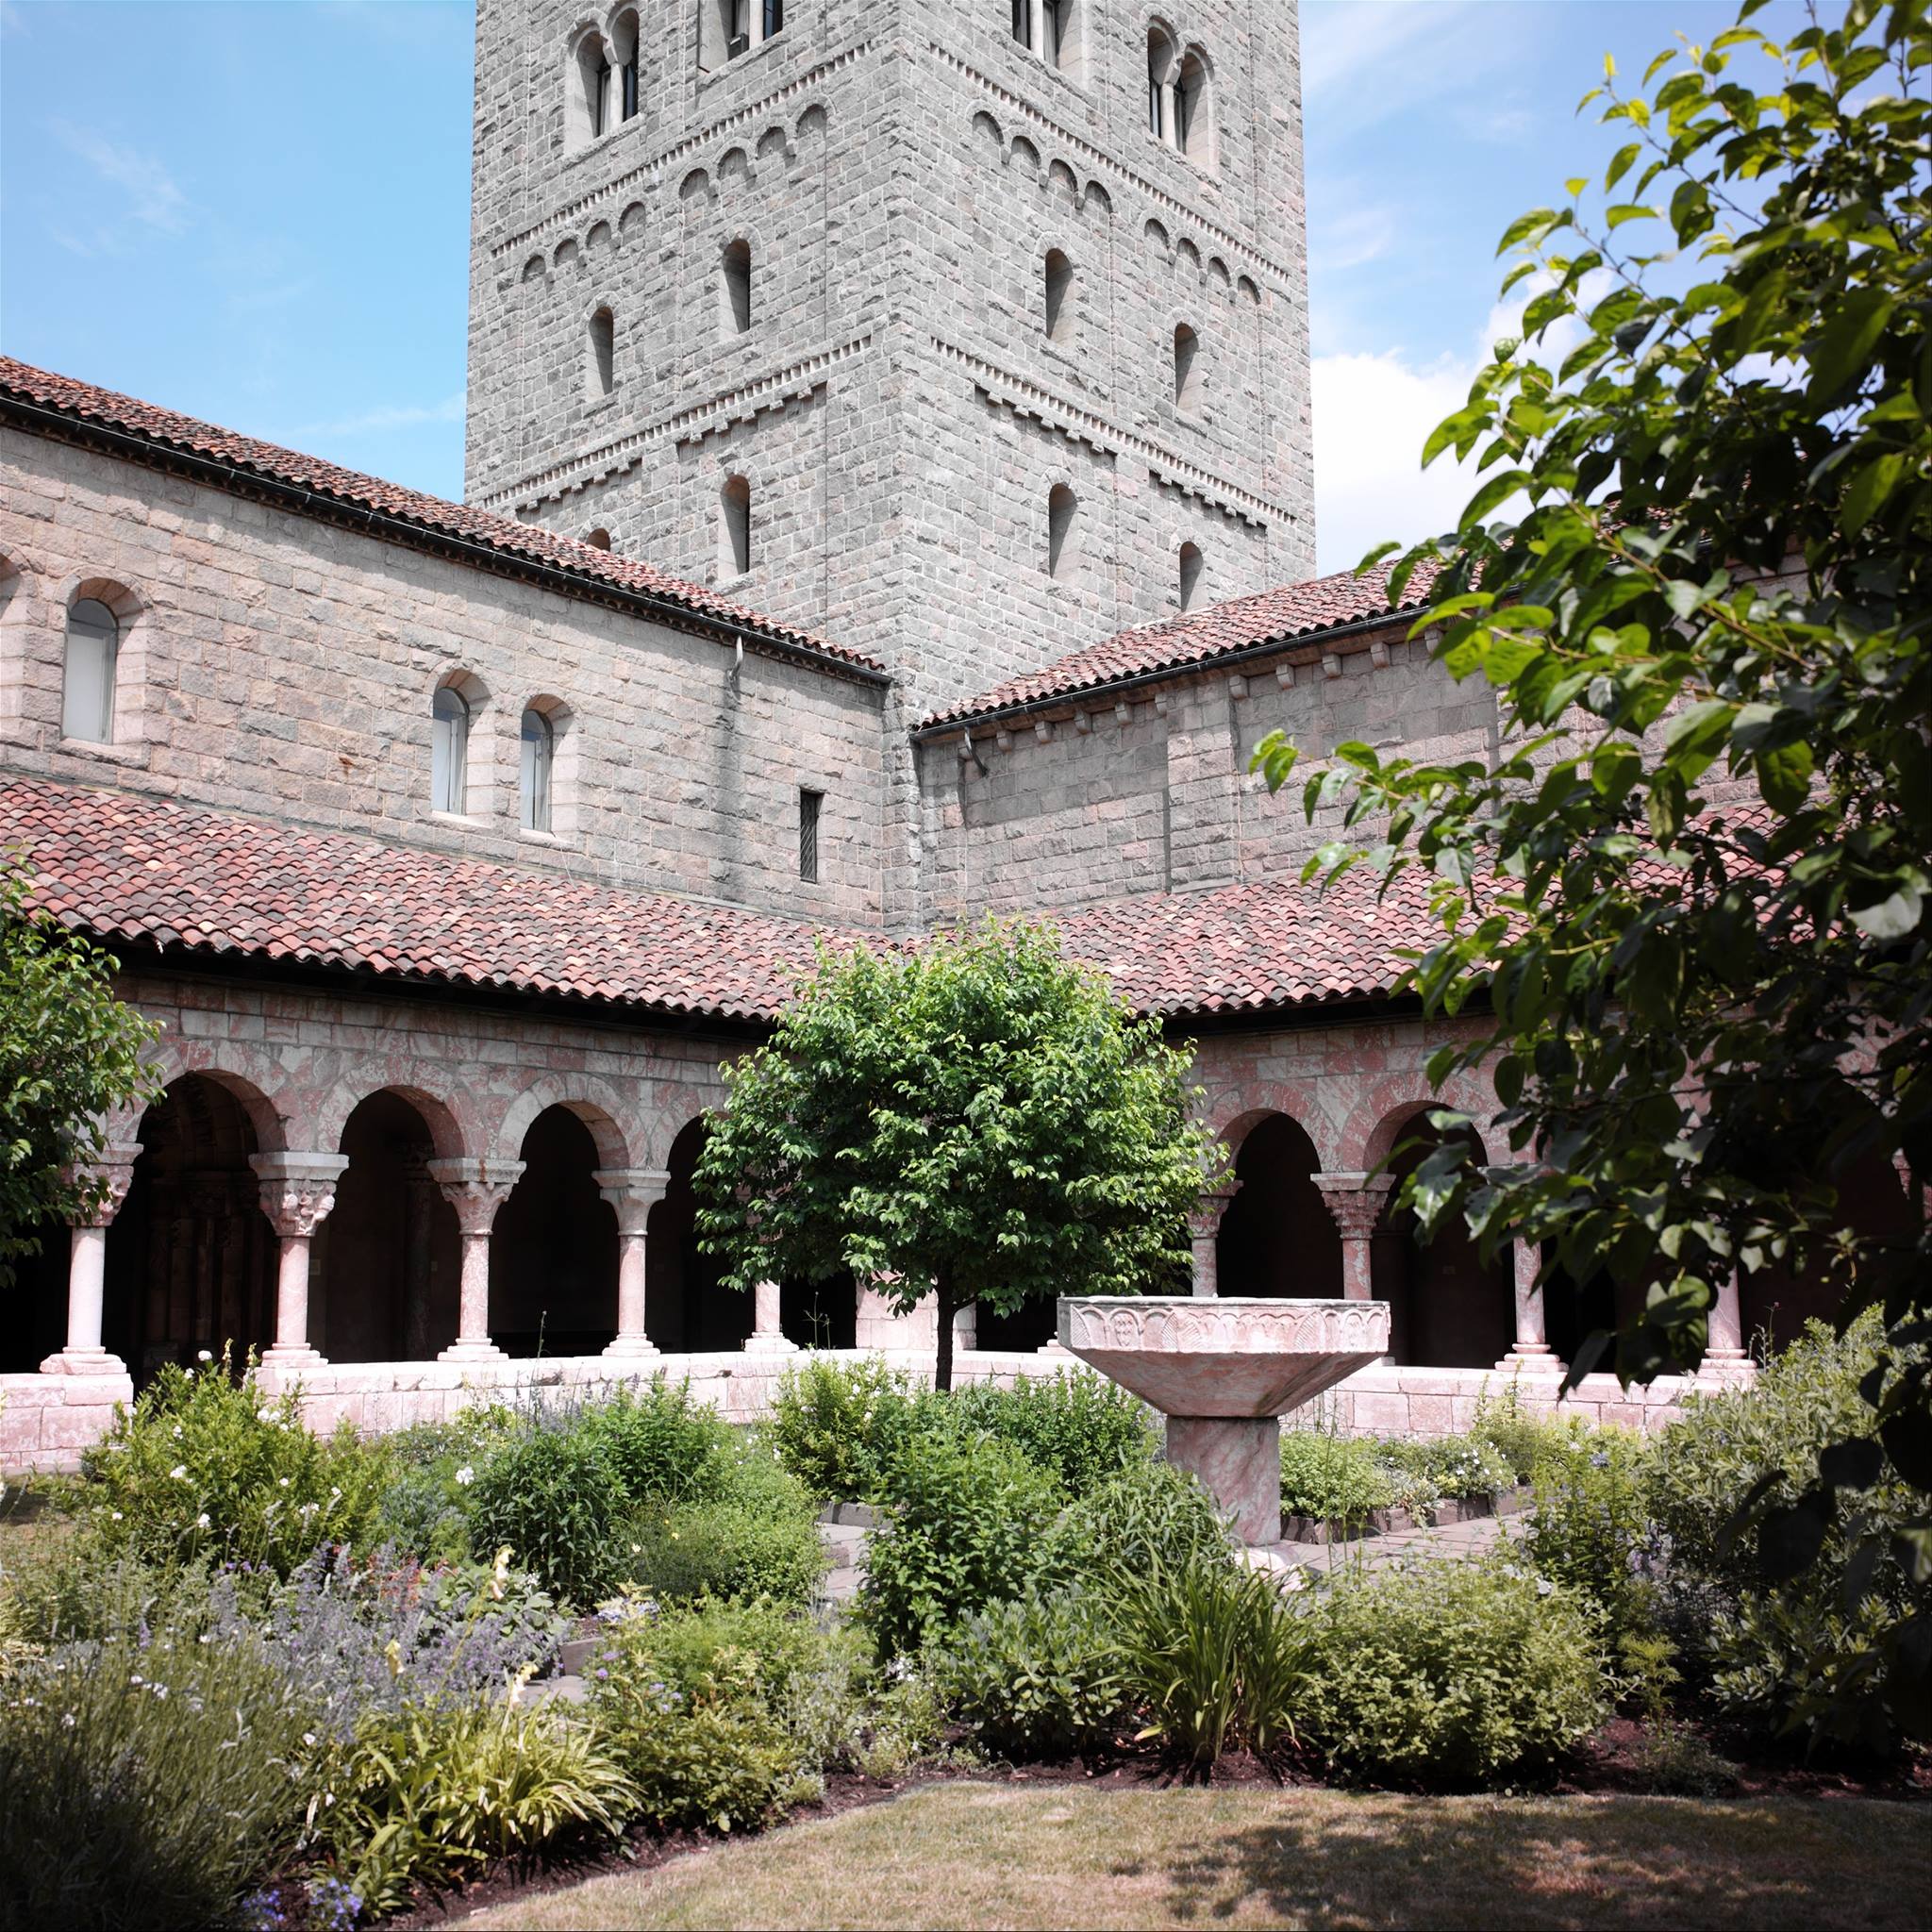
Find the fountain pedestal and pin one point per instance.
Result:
(1223, 1372)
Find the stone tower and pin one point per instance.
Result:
(965, 331)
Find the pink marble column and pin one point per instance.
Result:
(297, 1193)
(87, 1255)
(632, 1193)
(1530, 1354)
(475, 1189)
(1205, 1224)
(1725, 1353)
(767, 1335)
(1355, 1201)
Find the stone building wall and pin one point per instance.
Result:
(285, 667)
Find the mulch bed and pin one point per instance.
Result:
(1610, 1761)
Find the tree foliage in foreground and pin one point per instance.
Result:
(1686, 908)
(70, 1053)
(980, 1121)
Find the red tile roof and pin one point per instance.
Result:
(1198, 637)
(163, 428)
(131, 869)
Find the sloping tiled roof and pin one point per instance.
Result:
(166, 431)
(1255, 947)
(1199, 636)
(131, 869)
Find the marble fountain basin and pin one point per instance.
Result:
(1224, 1370)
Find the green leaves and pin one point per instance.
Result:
(1844, 346)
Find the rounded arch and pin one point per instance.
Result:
(686, 1305)
(1195, 133)
(599, 238)
(1156, 233)
(587, 71)
(1095, 195)
(450, 1134)
(1026, 154)
(773, 142)
(564, 255)
(984, 123)
(552, 1245)
(598, 539)
(596, 1106)
(535, 270)
(1246, 285)
(696, 186)
(734, 160)
(631, 223)
(1061, 176)
(1277, 1237)
(250, 1084)
(1190, 568)
(814, 120)
(1186, 250)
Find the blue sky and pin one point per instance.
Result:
(259, 213)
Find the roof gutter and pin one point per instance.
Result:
(1192, 667)
(41, 419)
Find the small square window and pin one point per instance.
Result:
(809, 804)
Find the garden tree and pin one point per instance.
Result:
(70, 1052)
(1688, 897)
(978, 1119)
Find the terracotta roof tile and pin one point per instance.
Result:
(125, 867)
(164, 428)
(1199, 636)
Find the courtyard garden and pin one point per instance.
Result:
(253, 1676)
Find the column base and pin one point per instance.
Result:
(1728, 1365)
(633, 1348)
(770, 1344)
(298, 1356)
(1531, 1358)
(473, 1352)
(83, 1361)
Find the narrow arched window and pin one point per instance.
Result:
(1191, 562)
(1186, 369)
(1062, 535)
(536, 756)
(600, 363)
(449, 750)
(736, 307)
(1058, 278)
(1056, 32)
(1159, 84)
(1193, 129)
(599, 540)
(87, 696)
(627, 43)
(734, 526)
(1022, 22)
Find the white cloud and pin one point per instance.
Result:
(154, 199)
(1358, 234)
(390, 416)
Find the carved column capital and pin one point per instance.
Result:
(112, 1170)
(632, 1193)
(297, 1189)
(475, 1188)
(1354, 1200)
(1205, 1218)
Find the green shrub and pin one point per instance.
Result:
(1522, 1435)
(1081, 1427)
(751, 1655)
(1214, 1654)
(756, 1536)
(831, 1420)
(209, 1469)
(1589, 1525)
(708, 1766)
(144, 1781)
(971, 1525)
(425, 1793)
(1450, 1674)
(1342, 1477)
(550, 1496)
(427, 1502)
(1039, 1677)
(1150, 1514)
(1795, 1653)
(664, 1445)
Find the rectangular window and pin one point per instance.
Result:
(808, 804)
(774, 16)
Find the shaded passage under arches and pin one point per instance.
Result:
(388, 1261)
(686, 1308)
(190, 1257)
(553, 1248)
(1277, 1237)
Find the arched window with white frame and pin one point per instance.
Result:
(536, 769)
(627, 41)
(586, 89)
(449, 751)
(92, 657)
(727, 28)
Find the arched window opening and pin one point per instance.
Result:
(587, 90)
(1062, 533)
(1022, 22)
(1187, 370)
(1191, 561)
(1058, 278)
(536, 761)
(1277, 1237)
(1192, 118)
(810, 807)
(734, 522)
(1057, 46)
(599, 538)
(627, 41)
(686, 1306)
(600, 372)
(87, 696)
(736, 307)
(449, 751)
(553, 1249)
(1160, 71)
(732, 27)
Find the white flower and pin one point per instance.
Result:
(115, 1514)
(201, 1522)
(309, 1739)
(334, 1495)
(201, 1355)
(179, 1472)
(178, 1432)
(282, 1482)
(67, 1722)
(466, 1476)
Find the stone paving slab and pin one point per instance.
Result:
(1469, 1538)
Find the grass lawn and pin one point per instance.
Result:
(997, 1856)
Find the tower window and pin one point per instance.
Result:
(1022, 22)
(1192, 121)
(1058, 278)
(737, 287)
(730, 27)
(1049, 28)
(536, 756)
(1062, 532)
(87, 695)
(809, 804)
(1191, 562)
(449, 750)
(1160, 70)
(1187, 370)
(627, 43)
(600, 372)
(734, 526)
(599, 538)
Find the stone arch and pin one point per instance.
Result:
(773, 142)
(734, 164)
(18, 597)
(599, 239)
(1095, 195)
(552, 1245)
(695, 187)
(535, 270)
(1276, 1236)
(251, 1086)
(1217, 274)
(1244, 285)
(564, 255)
(1184, 250)
(1156, 233)
(630, 223)
(1058, 175)
(1024, 154)
(592, 1101)
(686, 1308)
(812, 122)
(452, 1128)
(984, 123)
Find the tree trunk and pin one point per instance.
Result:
(942, 1358)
